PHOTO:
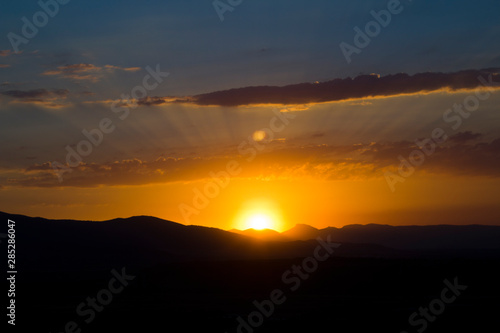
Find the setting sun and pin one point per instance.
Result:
(259, 214)
(260, 221)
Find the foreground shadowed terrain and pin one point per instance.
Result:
(188, 278)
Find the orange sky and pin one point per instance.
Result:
(322, 164)
(422, 200)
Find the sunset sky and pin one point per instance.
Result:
(264, 101)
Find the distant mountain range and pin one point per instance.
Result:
(430, 237)
(145, 240)
(264, 234)
(299, 232)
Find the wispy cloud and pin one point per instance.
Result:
(88, 72)
(5, 53)
(47, 98)
(464, 154)
(127, 69)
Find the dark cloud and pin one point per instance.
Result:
(342, 89)
(151, 101)
(459, 156)
(463, 137)
(35, 93)
(157, 100)
(49, 98)
(364, 86)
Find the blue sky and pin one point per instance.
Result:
(260, 42)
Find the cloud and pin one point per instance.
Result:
(464, 157)
(459, 156)
(361, 87)
(155, 100)
(300, 97)
(48, 98)
(145, 101)
(5, 53)
(463, 137)
(88, 72)
(36, 93)
(127, 69)
(87, 93)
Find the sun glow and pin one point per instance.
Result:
(260, 221)
(259, 215)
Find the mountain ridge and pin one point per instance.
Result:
(439, 236)
(145, 240)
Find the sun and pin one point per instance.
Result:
(259, 214)
(260, 221)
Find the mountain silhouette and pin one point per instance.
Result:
(203, 279)
(264, 234)
(301, 232)
(432, 237)
(137, 241)
(146, 240)
(406, 237)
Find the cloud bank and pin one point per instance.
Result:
(363, 86)
(463, 154)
